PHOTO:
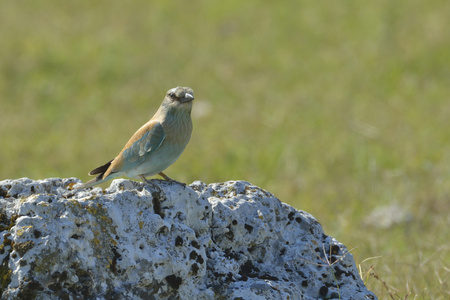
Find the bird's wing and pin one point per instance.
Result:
(144, 142)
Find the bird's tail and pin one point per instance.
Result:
(92, 182)
(99, 178)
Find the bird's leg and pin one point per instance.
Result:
(146, 180)
(165, 176)
(170, 179)
(150, 183)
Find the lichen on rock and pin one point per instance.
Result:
(229, 240)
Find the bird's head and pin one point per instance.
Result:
(179, 98)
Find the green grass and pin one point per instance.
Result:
(337, 108)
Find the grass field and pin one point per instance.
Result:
(340, 109)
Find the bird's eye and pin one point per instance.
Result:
(172, 95)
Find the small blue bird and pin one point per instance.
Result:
(156, 145)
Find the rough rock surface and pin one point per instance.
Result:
(229, 240)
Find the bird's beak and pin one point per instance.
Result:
(188, 97)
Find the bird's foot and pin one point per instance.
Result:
(170, 179)
(153, 185)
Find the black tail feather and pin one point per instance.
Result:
(101, 170)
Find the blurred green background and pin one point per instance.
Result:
(340, 109)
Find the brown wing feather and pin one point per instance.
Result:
(140, 133)
(117, 163)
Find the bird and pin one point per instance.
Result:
(156, 145)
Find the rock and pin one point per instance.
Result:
(229, 240)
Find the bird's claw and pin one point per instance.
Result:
(167, 178)
(149, 182)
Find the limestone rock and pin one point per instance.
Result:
(229, 240)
